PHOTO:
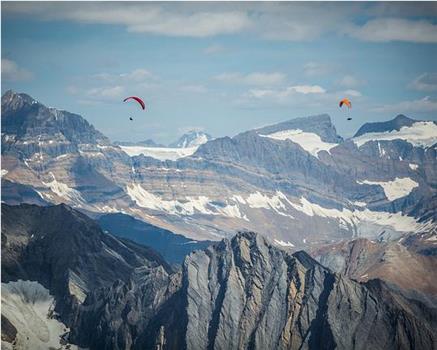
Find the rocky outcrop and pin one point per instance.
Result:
(403, 265)
(67, 253)
(29, 127)
(247, 294)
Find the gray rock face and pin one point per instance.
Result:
(394, 124)
(67, 253)
(238, 294)
(247, 294)
(29, 127)
(405, 266)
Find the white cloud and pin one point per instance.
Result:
(395, 29)
(285, 93)
(110, 86)
(12, 72)
(197, 89)
(316, 68)
(350, 81)
(292, 21)
(213, 49)
(353, 93)
(135, 76)
(151, 18)
(426, 104)
(307, 89)
(106, 92)
(425, 82)
(256, 78)
(201, 24)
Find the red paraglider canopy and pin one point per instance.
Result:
(140, 101)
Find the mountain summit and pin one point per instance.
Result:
(29, 125)
(320, 125)
(390, 125)
(192, 138)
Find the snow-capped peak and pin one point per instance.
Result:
(192, 138)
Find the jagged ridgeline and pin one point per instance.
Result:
(244, 293)
(297, 182)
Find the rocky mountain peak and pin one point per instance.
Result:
(192, 138)
(12, 100)
(320, 125)
(394, 124)
(26, 121)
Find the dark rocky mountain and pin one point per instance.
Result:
(28, 127)
(241, 293)
(66, 252)
(246, 294)
(394, 124)
(171, 246)
(192, 138)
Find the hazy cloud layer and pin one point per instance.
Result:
(425, 82)
(255, 78)
(426, 104)
(271, 21)
(12, 72)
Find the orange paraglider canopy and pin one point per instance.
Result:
(346, 102)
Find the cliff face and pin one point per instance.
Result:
(241, 293)
(247, 294)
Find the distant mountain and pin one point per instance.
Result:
(320, 125)
(28, 127)
(192, 138)
(394, 124)
(172, 247)
(146, 143)
(399, 263)
(298, 182)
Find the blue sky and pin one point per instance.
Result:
(222, 67)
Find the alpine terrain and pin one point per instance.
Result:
(282, 237)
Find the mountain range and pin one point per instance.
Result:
(137, 246)
(190, 139)
(297, 182)
(68, 284)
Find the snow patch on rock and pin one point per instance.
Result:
(419, 134)
(29, 307)
(363, 222)
(160, 153)
(260, 200)
(309, 141)
(62, 190)
(187, 206)
(398, 188)
(283, 243)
